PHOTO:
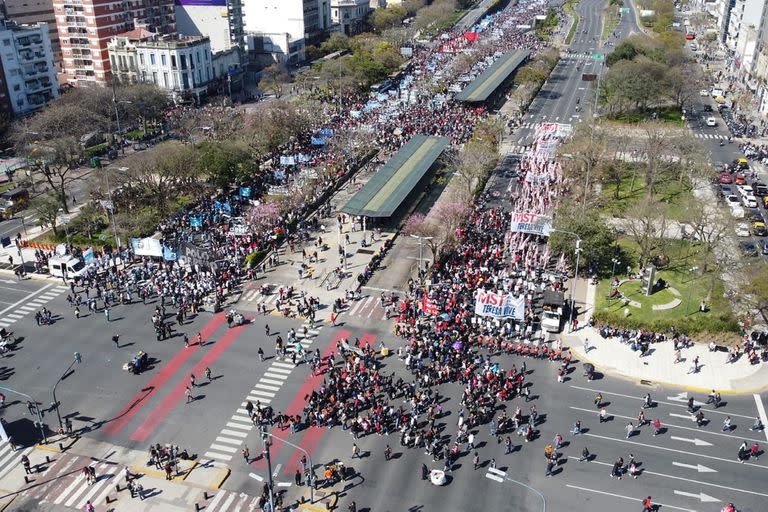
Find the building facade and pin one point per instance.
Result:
(87, 26)
(29, 12)
(219, 20)
(283, 28)
(123, 60)
(182, 65)
(29, 73)
(350, 15)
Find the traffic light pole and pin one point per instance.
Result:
(37, 409)
(311, 474)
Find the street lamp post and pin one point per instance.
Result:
(76, 359)
(421, 250)
(614, 261)
(690, 288)
(37, 409)
(311, 474)
(111, 207)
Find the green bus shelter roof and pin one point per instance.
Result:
(389, 187)
(490, 79)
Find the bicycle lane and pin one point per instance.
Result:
(141, 398)
(163, 409)
(297, 406)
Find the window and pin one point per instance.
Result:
(154, 78)
(165, 80)
(6, 42)
(198, 57)
(141, 59)
(183, 61)
(173, 61)
(162, 59)
(184, 79)
(152, 59)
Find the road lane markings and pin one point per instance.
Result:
(271, 375)
(761, 414)
(630, 498)
(216, 455)
(696, 441)
(223, 448)
(495, 474)
(704, 498)
(243, 426)
(591, 390)
(259, 385)
(234, 433)
(698, 467)
(669, 425)
(689, 480)
(262, 382)
(256, 477)
(711, 457)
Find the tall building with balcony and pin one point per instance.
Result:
(123, 58)
(28, 71)
(87, 26)
(182, 65)
(350, 15)
(283, 28)
(219, 20)
(29, 12)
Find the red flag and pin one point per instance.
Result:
(470, 36)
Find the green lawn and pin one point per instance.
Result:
(611, 19)
(671, 115)
(631, 192)
(8, 185)
(571, 10)
(718, 322)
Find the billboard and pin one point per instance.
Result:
(210, 3)
(499, 305)
(532, 223)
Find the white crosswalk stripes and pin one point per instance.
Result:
(231, 501)
(9, 458)
(367, 307)
(37, 302)
(263, 392)
(70, 488)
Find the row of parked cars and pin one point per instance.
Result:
(744, 199)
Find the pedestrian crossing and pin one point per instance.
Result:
(231, 437)
(63, 484)
(34, 304)
(708, 136)
(10, 458)
(231, 501)
(576, 56)
(368, 307)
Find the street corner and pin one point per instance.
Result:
(208, 473)
(323, 500)
(179, 472)
(58, 443)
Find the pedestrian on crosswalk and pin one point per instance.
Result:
(26, 464)
(188, 392)
(87, 473)
(246, 454)
(89, 507)
(261, 354)
(92, 473)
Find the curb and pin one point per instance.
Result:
(219, 480)
(640, 380)
(57, 446)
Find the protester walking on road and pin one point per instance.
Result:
(648, 505)
(246, 454)
(355, 451)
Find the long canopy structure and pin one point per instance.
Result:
(389, 187)
(482, 87)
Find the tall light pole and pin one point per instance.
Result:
(37, 410)
(614, 261)
(77, 359)
(111, 206)
(421, 250)
(311, 477)
(267, 445)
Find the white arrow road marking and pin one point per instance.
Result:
(709, 411)
(761, 414)
(497, 471)
(684, 416)
(704, 498)
(684, 452)
(669, 425)
(494, 477)
(277, 470)
(682, 479)
(698, 467)
(696, 441)
(256, 477)
(630, 498)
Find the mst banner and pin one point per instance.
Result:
(499, 305)
(532, 223)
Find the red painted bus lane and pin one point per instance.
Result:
(142, 397)
(161, 411)
(314, 435)
(299, 401)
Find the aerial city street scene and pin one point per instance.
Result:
(383, 255)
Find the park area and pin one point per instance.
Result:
(677, 304)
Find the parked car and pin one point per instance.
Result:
(742, 229)
(761, 189)
(745, 190)
(726, 178)
(748, 248)
(733, 200)
(749, 201)
(754, 215)
(764, 246)
(725, 190)
(740, 179)
(703, 93)
(711, 121)
(758, 229)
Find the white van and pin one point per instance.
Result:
(58, 265)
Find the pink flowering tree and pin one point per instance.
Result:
(263, 216)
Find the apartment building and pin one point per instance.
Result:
(30, 12)
(28, 71)
(220, 20)
(350, 15)
(87, 26)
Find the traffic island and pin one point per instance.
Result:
(179, 472)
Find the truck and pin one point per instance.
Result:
(65, 265)
(553, 303)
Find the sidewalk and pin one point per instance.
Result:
(57, 478)
(613, 357)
